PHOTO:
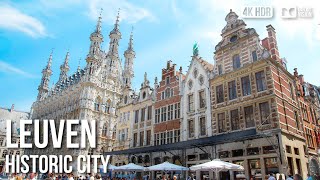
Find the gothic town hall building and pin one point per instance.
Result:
(90, 93)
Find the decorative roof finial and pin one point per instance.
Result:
(78, 69)
(50, 59)
(195, 49)
(67, 58)
(117, 21)
(130, 47)
(98, 28)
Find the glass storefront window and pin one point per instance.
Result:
(255, 168)
(239, 174)
(271, 165)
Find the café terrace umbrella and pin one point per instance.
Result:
(166, 166)
(216, 165)
(129, 167)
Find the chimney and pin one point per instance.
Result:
(12, 108)
(273, 45)
(168, 64)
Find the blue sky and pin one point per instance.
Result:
(163, 30)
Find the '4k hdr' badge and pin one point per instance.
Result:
(260, 12)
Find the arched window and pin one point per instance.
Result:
(140, 160)
(166, 158)
(97, 104)
(157, 160)
(236, 61)
(147, 159)
(105, 131)
(167, 92)
(4, 153)
(107, 107)
(133, 159)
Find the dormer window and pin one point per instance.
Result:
(234, 38)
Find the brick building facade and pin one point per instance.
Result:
(255, 113)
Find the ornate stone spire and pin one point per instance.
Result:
(98, 27)
(46, 74)
(115, 36)
(64, 68)
(96, 39)
(130, 46)
(129, 55)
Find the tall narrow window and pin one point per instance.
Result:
(169, 112)
(97, 104)
(191, 128)
(261, 81)
(254, 56)
(141, 138)
(167, 80)
(136, 116)
(202, 126)
(168, 92)
(135, 139)
(202, 99)
(221, 123)
(177, 111)
(297, 120)
(148, 137)
(143, 114)
(219, 93)
(157, 115)
(248, 115)
(163, 114)
(220, 69)
(176, 135)
(105, 131)
(235, 124)
(149, 112)
(246, 87)
(236, 61)
(191, 103)
(264, 113)
(232, 90)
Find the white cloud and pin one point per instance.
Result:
(13, 19)
(8, 68)
(128, 11)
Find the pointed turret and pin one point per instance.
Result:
(129, 55)
(64, 69)
(115, 36)
(96, 39)
(44, 85)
